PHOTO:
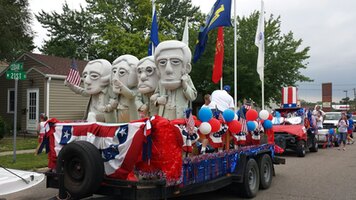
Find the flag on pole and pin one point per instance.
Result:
(73, 76)
(185, 38)
(220, 15)
(260, 43)
(219, 56)
(154, 34)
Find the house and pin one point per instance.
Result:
(43, 91)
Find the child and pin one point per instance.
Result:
(41, 130)
(342, 127)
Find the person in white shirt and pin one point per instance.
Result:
(222, 99)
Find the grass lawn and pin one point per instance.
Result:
(25, 161)
(6, 144)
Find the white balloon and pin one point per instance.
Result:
(264, 114)
(205, 128)
(236, 117)
(256, 124)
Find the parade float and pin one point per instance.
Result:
(293, 126)
(156, 156)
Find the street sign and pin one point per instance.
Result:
(15, 75)
(16, 66)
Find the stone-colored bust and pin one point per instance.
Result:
(124, 83)
(176, 88)
(103, 102)
(148, 80)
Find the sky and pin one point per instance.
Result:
(326, 26)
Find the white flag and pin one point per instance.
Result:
(260, 43)
(186, 33)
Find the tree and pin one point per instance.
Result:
(15, 31)
(283, 60)
(108, 29)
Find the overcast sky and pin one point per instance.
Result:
(326, 26)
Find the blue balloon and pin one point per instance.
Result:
(267, 124)
(205, 114)
(251, 126)
(331, 131)
(228, 115)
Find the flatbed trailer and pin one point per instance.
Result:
(247, 169)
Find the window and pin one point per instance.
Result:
(11, 100)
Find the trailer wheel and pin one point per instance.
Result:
(301, 148)
(251, 180)
(82, 166)
(266, 171)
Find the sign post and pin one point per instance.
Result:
(15, 72)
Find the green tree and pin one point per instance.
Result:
(108, 29)
(283, 60)
(15, 32)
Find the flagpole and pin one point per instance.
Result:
(235, 58)
(153, 12)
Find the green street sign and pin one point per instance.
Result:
(16, 75)
(16, 66)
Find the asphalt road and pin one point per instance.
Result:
(327, 174)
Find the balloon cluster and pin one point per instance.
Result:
(212, 125)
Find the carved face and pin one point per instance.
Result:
(96, 77)
(147, 77)
(126, 74)
(171, 67)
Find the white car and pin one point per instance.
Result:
(331, 120)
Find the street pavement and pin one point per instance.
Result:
(326, 175)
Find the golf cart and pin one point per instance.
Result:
(292, 131)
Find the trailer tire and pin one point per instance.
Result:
(266, 171)
(301, 148)
(82, 166)
(251, 179)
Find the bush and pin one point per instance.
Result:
(4, 128)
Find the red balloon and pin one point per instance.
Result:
(234, 126)
(251, 115)
(270, 117)
(215, 125)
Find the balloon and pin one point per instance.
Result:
(331, 131)
(234, 126)
(205, 114)
(205, 128)
(228, 115)
(256, 123)
(251, 115)
(251, 126)
(236, 117)
(267, 124)
(264, 114)
(270, 117)
(215, 125)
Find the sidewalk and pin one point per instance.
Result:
(5, 153)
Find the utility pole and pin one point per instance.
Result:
(354, 99)
(346, 98)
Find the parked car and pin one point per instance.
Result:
(331, 120)
(290, 132)
(354, 118)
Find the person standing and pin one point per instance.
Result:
(42, 128)
(342, 127)
(222, 99)
(350, 128)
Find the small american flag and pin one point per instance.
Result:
(189, 121)
(73, 75)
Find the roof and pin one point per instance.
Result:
(55, 65)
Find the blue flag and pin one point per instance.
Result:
(154, 34)
(220, 15)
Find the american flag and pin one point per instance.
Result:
(189, 121)
(119, 144)
(73, 75)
